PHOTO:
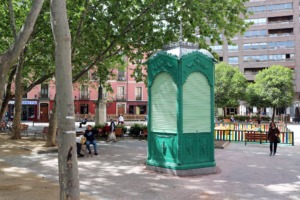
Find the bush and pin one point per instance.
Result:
(220, 117)
(124, 128)
(99, 126)
(135, 129)
(265, 118)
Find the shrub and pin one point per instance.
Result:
(99, 126)
(265, 118)
(220, 117)
(125, 129)
(135, 129)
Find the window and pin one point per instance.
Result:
(94, 76)
(233, 48)
(258, 21)
(138, 93)
(256, 33)
(257, 9)
(233, 60)
(216, 47)
(44, 91)
(255, 46)
(279, 7)
(221, 59)
(260, 58)
(84, 92)
(121, 93)
(121, 75)
(84, 108)
(281, 45)
(278, 57)
(231, 111)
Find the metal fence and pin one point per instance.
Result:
(236, 132)
(239, 136)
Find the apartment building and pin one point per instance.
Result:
(128, 97)
(274, 38)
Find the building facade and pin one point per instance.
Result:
(128, 98)
(274, 38)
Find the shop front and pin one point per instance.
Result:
(29, 110)
(137, 108)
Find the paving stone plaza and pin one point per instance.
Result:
(119, 172)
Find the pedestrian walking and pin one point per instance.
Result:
(112, 128)
(273, 136)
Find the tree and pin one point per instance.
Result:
(273, 87)
(104, 32)
(137, 28)
(230, 86)
(11, 55)
(67, 156)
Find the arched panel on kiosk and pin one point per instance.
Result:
(164, 104)
(196, 104)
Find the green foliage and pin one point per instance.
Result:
(265, 118)
(135, 129)
(220, 118)
(107, 29)
(99, 126)
(230, 85)
(273, 87)
(105, 32)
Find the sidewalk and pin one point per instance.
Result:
(118, 172)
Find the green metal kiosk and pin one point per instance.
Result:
(181, 111)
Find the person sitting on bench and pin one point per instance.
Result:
(84, 121)
(79, 145)
(90, 139)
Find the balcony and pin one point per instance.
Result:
(138, 98)
(121, 78)
(84, 97)
(121, 98)
(44, 95)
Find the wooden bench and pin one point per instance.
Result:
(257, 135)
(24, 128)
(226, 120)
(44, 133)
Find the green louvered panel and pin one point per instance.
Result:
(196, 104)
(163, 104)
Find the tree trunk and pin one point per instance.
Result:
(51, 136)
(16, 129)
(224, 113)
(12, 54)
(67, 155)
(8, 95)
(273, 115)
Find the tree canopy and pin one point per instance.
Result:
(230, 84)
(273, 87)
(104, 31)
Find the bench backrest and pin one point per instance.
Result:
(45, 129)
(24, 127)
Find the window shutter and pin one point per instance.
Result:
(196, 104)
(164, 104)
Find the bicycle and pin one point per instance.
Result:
(6, 127)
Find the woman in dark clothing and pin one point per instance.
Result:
(272, 136)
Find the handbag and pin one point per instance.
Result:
(278, 139)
